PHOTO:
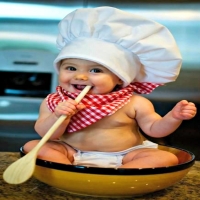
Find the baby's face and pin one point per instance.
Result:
(75, 74)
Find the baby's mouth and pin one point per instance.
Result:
(79, 87)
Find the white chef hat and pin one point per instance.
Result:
(134, 48)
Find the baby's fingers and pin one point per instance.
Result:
(66, 108)
(184, 110)
(188, 115)
(80, 106)
(189, 111)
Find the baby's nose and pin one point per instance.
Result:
(81, 77)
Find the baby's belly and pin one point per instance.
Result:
(103, 140)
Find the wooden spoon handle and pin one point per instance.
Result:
(22, 169)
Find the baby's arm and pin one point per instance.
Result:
(156, 126)
(47, 118)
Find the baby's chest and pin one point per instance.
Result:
(118, 119)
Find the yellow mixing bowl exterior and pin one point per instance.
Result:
(107, 185)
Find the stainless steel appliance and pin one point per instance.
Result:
(28, 48)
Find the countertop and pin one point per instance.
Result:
(186, 189)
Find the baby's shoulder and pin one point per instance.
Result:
(138, 101)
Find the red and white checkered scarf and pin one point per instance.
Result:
(97, 106)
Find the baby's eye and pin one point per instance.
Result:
(70, 68)
(96, 70)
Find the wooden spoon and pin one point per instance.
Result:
(22, 169)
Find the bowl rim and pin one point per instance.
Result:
(116, 171)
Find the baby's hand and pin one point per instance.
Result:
(184, 110)
(69, 108)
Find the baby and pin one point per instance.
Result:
(116, 53)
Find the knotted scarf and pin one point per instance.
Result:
(97, 106)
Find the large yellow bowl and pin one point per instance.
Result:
(94, 181)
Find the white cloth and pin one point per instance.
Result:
(106, 159)
(134, 48)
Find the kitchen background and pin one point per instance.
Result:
(28, 32)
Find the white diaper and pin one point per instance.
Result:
(106, 159)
